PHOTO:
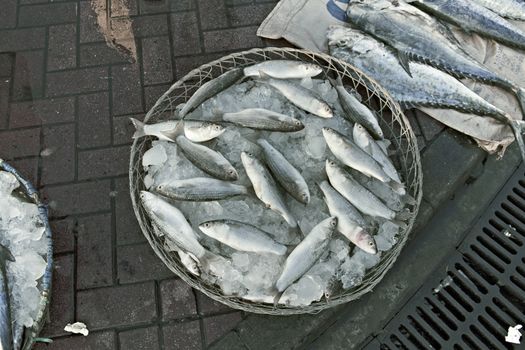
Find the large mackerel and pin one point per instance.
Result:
(513, 9)
(417, 36)
(473, 17)
(427, 87)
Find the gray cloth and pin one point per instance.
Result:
(304, 23)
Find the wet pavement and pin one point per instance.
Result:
(71, 74)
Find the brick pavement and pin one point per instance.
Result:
(65, 99)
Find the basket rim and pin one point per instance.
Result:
(283, 310)
(32, 333)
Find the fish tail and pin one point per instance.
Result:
(517, 128)
(5, 255)
(139, 128)
(335, 82)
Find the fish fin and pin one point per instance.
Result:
(5, 254)
(383, 144)
(276, 299)
(139, 128)
(172, 134)
(404, 62)
(517, 128)
(217, 114)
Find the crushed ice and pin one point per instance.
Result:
(248, 275)
(22, 232)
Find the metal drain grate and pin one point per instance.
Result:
(482, 292)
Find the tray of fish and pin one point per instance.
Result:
(26, 258)
(276, 181)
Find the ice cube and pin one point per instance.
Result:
(156, 155)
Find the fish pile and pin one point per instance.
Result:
(408, 47)
(274, 185)
(23, 249)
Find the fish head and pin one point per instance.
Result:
(351, 40)
(332, 222)
(298, 123)
(325, 111)
(330, 166)
(359, 133)
(311, 69)
(366, 242)
(207, 226)
(231, 173)
(213, 130)
(248, 159)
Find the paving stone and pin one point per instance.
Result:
(213, 14)
(185, 33)
(153, 25)
(127, 92)
(62, 47)
(94, 252)
(217, 326)
(89, 30)
(182, 5)
(93, 120)
(137, 263)
(77, 81)
(156, 60)
(8, 14)
(28, 168)
(231, 341)
(429, 126)
(103, 162)
(58, 164)
(5, 86)
(62, 296)
(38, 112)
(156, 6)
(140, 339)
(121, 8)
(182, 336)
(209, 306)
(445, 164)
(22, 39)
(95, 54)
(231, 39)
(128, 230)
(123, 129)
(95, 341)
(249, 15)
(177, 299)
(152, 94)
(81, 198)
(7, 60)
(29, 72)
(20, 143)
(117, 306)
(43, 15)
(63, 235)
(31, 2)
(184, 65)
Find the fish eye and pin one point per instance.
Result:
(217, 127)
(207, 224)
(342, 42)
(231, 172)
(333, 223)
(297, 122)
(371, 243)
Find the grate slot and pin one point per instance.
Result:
(472, 342)
(501, 318)
(481, 336)
(494, 332)
(509, 308)
(397, 342)
(509, 221)
(472, 276)
(520, 270)
(496, 252)
(413, 336)
(457, 296)
(442, 313)
(457, 347)
(434, 322)
(501, 240)
(460, 282)
(451, 305)
(518, 282)
(518, 191)
(416, 322)
(517, 201)
(486, 255)
(513, 211)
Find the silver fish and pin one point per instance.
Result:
(208, 160)
(242, 236)
(364, 140)
(202, 131)
(513, 9)
(349, 221)
(474, 17)
(285, 173)
(195, 131)
(300, 96)
(173, 224)
(284, 69)
(353, 156)
(419, 37)
(364, 200)
(428, 87)
(355, 110)
(200, 189)
(305, 254)
(265, 187)
(6, 332)
(210, 89)
(263, 119)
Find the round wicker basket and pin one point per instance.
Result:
(31, 334)
(393, 122)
